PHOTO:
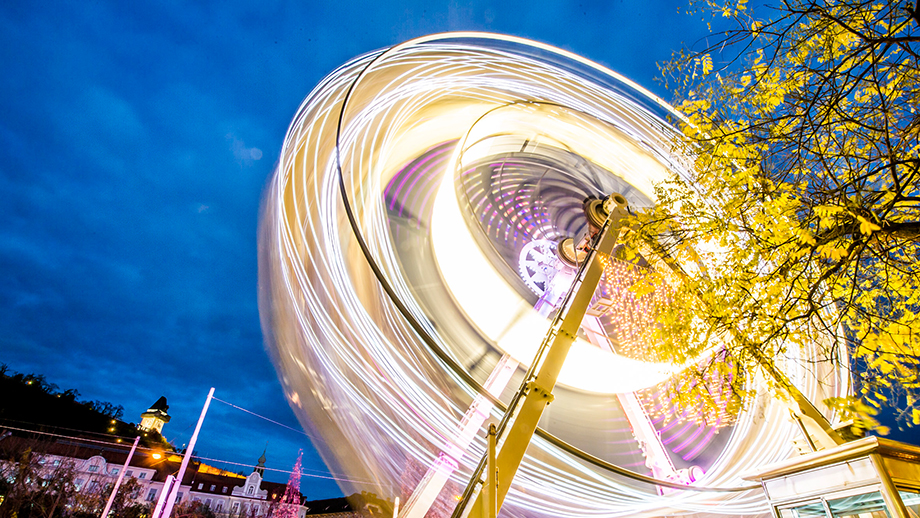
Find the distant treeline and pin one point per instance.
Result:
(30, 401)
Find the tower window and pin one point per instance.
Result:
(250, 490)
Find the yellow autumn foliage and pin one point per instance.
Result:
(806, 180)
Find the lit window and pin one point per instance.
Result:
(213, 487)
(152, 495)
(225, 489)
(115, 471)
(201, 485)
(142, 475)
(56, 462)
(93, 468)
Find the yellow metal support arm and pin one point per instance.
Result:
(518, 427)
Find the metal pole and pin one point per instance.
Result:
(490, 491)
(890, 495)
(167, 488)
(167, 509)
(121, 476)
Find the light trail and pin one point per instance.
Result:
(508, 136)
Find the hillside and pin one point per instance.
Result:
(30, 402)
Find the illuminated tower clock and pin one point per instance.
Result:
(155, 416)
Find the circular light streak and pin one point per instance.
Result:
(411, 183)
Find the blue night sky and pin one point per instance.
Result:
(135, 142)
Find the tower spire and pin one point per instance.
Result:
(260, 467)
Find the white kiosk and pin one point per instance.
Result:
(866, 478)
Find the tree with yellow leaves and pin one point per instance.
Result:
(799, 225)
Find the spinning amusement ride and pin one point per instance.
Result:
(439, 218)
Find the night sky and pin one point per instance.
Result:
(135, 142)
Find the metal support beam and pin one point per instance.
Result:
(490, 489)
(520, 422)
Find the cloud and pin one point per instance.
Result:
(244, 155)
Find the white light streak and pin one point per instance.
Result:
(355, 371)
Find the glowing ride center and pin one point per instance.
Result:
(417, 241)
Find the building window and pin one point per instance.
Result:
(236, 507)
(220, 505)
(201, 485)
(79, 483)
(142, 475)
(225, 489)
(255, 510)
(250, 490)
(93, 468)
(130, 472)
(152, 495)
(179, 497)
(213, 487)
(56, 462)
(115, 471)
(207, 502)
